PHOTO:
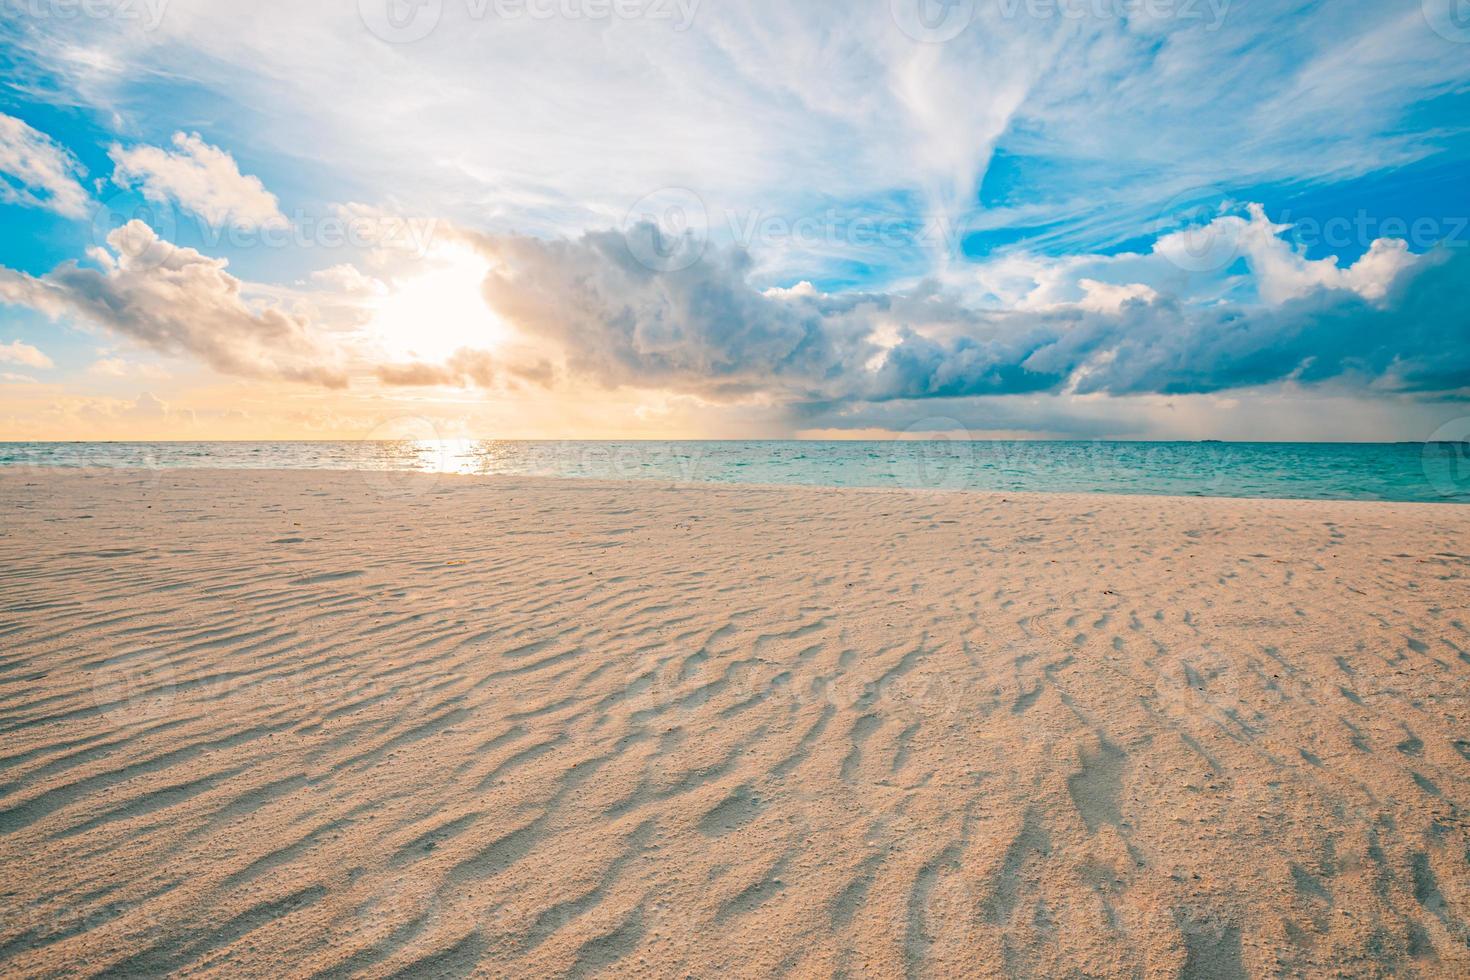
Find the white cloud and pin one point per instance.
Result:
(199, 177)
(586, 312)
(1198, 265)
(1074, 132)
(16, 352)
(347, 280)
(1106, 297)
(176, 300)
(1390, 322)
(1280, 270)
(771, 108)
(43, 174)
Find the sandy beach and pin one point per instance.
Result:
(337, 724)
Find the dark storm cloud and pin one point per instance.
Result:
(705, 330)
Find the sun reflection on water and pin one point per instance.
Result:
(442, 456)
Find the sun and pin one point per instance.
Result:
(439, 311)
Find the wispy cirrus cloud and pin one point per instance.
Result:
(38, 172)
(787, 108)
(1023, 171)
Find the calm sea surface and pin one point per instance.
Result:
(1438, 472)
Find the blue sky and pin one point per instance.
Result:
(575, 218)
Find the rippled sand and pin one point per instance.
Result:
(313, 724)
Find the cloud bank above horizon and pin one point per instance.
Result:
(1174, 218)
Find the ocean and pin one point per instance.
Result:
(1427, 472)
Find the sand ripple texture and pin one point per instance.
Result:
(331, 725)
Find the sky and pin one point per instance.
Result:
(551, 219)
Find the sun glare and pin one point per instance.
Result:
(434, 314)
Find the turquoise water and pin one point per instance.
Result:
(1398, 471)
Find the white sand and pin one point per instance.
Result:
(269, 724)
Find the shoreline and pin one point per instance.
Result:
(369, 474)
